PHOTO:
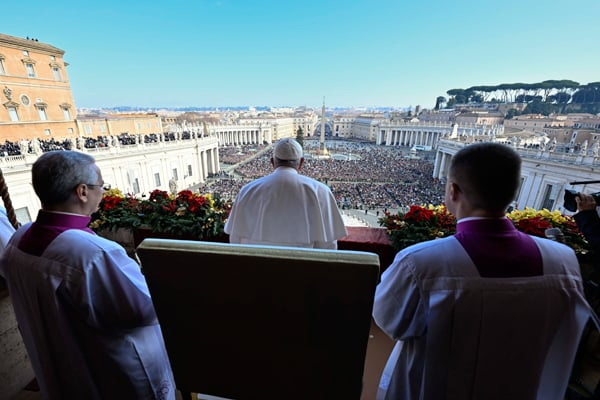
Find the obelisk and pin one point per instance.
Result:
(322, 149)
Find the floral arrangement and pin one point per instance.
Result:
(418, 224)
(535, 222)
(184, 214)
(421, 223)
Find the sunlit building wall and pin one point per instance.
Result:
(342, 126)
(114, 125)
(36, 99)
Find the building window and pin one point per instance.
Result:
(88, 129)
(157, 179)
(66, 109)
(25, 53)
(189, 170)
(12, 112)
(2, 69)
(52, 58)
(70, 131)
(56, 73)
(42, 113)
(175, 175)
(102, 128)
(30, 70)
(47, 132)
(549, 198)
(136, 185)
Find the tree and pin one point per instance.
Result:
(457, 96)
(477, 98)
(300, 136)
(589, 93)
(539, 107)
(511, 113)
(439, 102)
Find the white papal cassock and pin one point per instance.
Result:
(286, 208)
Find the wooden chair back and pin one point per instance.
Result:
(261, 322)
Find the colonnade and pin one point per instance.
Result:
(136, 169)
(189, 162)
(545, 175)
(428, 134)
(441, 164)
(393, 137)
(236, 135)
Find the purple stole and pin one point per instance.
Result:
(47, 227)
(498, 249)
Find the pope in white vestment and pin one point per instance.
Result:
(286, 208)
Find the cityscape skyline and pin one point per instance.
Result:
(220, 53)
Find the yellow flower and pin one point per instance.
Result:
(209, 198)
(114, 192)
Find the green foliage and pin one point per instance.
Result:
(439, 101)
(511, 113)
(560, 93)
(538, 107)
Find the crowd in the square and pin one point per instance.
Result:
(375, 177)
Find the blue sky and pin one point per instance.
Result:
(367, 53)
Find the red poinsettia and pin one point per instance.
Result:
(418, 214)
(418, 224)
(533, 226)
(186, 213)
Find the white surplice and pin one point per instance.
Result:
(87, 320)
(461, 336)
(286, 208)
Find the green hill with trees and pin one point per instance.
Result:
(551, 96)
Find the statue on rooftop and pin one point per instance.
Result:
(173, 185)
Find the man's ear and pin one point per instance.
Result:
(454, 191)
(81, 191)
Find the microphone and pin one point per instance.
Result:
(555, 234)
